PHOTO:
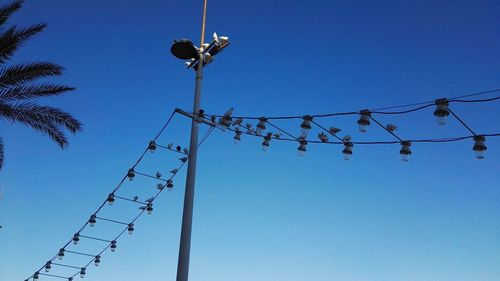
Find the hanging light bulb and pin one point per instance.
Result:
(347, 152)
(149, 208)
(76, 238)
(60, 255)
(48, 266)
(405, 151)
(261, 126)
(237, 137)
(113, 246)
(170, 184)
(130, 228)
(479, 146)
(364, 120)
(82, 272)
(441, 111)
(97, 260)
(152, 146)
(35, 276)
(305, 127)
(92, 220)
(131, 174)
(266, 143)
(111, 199)
(302, 147)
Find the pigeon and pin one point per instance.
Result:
(238, 122)
(170, 145)
(160, 186)
(178, 148)
(248, 126)
(149, 200)
(185, 150)
(174, 171)
(136, 198)
(213, 118)
(323, 137)
(277, 135)
(391, 127)
(158, 175)
(334, 130)
(142, 208)
(183, 159)
(347, 138)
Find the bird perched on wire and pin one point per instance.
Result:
(238, 122)
(334, 130)
(158, 174)
(323, 137)
(136, 198)
(185, 150)
(183, 159)
(170, 145)
(213, 118)
(347, 138)
(149, 200)
(277, 135)
(178, 148)
(391, 127)
(174, 171)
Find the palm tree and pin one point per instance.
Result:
(18, 85)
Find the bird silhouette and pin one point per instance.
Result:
(149, 200)
(136, 198)
(158, 175)
(334, 130)
(238, 122)
(183, 159)
(178, 148)
(391, 127)
(174, 171)
(347, 138)
(170, 145)
(323, 137)
(185, 150)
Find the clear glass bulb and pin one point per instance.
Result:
(362, 128)
(441, 120)
(480, 154)
(405, 157)
(347, 156)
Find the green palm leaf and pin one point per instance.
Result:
(22, 73)
(32, 91)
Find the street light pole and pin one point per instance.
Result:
(187, 215)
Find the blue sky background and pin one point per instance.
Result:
(264, 216)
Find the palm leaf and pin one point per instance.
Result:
(18, 74)
(32, 91)
(1, 153)
(12, 39)
(9, 9)
(39, 117)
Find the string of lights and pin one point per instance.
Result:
(415, 107)
(146, 206)
(442, 111)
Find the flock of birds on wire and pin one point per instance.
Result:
(235, 124)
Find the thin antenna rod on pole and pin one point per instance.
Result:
(203, 22)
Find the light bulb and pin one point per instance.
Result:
(479, 147)
(152, 146)
(305, 127)
(441, 113)
(364, 120)
(130, 228)
(405, 151)
(347, 152)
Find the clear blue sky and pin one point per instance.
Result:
(265, 216)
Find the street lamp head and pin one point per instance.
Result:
(184, 49)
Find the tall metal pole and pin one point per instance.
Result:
(187, 215)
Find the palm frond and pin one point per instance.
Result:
(13, 38)
(1, 153)
(33, 115)
(32, 91)
(9, 9)
(21, 73)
